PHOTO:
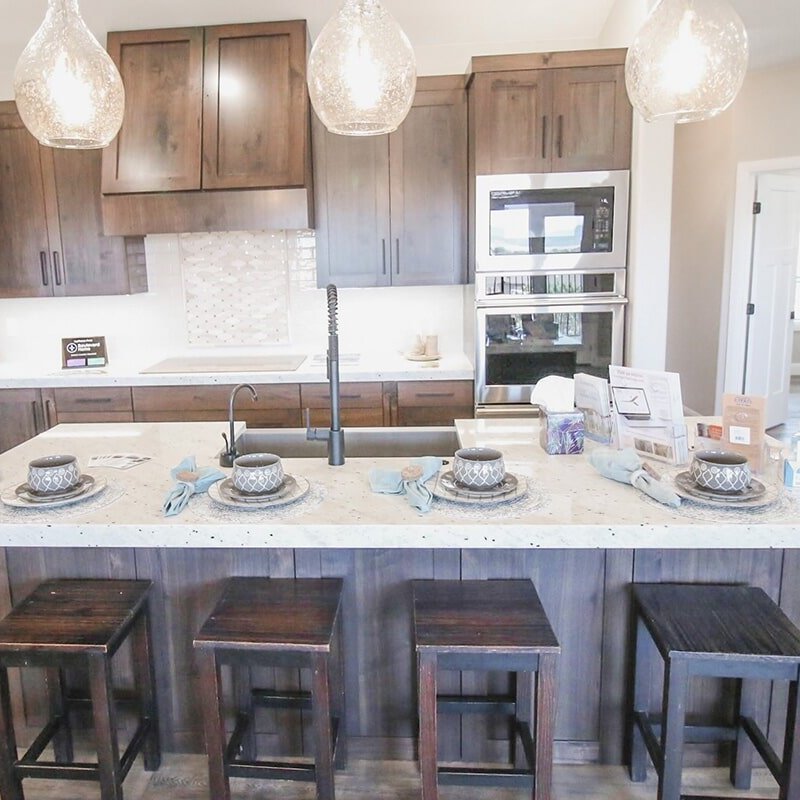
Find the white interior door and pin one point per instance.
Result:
(772, 282)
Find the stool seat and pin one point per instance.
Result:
(712, 631)
(76, 616)
(79, 623)
(687, 619)
(487, 625)
(284, 622)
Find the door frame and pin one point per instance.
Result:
(736, 281)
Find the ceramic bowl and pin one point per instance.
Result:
(720, 471)
(478, 467)
(53, 474)
(257, 473)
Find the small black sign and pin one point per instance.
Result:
(87, 351)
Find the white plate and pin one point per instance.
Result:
(755, 496)
(423, 357)
(10, 497)
(441, 490)
(299, 490)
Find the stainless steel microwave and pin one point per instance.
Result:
(570, 220)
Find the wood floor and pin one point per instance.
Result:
(792, 425)
(184, 778)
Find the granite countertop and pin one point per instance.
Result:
(367, 367)
(569, 505)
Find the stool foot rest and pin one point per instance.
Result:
(485, 776)
(486, 704)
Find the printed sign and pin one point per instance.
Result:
(88, 351)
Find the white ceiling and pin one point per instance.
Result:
(444, 33)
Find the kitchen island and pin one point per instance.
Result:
(581, 538)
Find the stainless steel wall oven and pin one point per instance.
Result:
(545, 323)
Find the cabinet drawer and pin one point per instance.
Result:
(212, 398)
(95, 416)
(434, 393)
(255, 418)
(351, 395)
(351, 417)
(91, 400)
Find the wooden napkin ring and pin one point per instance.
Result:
(411, 473)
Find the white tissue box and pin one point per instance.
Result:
(561, 432)
(791, 474)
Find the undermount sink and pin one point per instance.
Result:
(359, 442)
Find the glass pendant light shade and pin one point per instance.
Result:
(361, 71)
(69, 93)
(688, 61)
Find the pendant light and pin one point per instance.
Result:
(361, 71)
(69, 93)
(688, 61)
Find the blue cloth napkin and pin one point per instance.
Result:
(625, 466)
(190, 480)
(391, 481)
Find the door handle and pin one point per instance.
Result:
(383, 254)
(43, 265)
(57, 267)
(48, 417)
(544, 136)
(560, 136)
(35, 411)
(397, 253)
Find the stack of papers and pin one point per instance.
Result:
(117, 460)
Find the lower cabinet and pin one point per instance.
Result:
(106, 404)
(25, 413)
(361, 404)
(433, 402)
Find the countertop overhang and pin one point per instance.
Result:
(582, 509)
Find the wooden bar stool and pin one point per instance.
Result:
(718, 631)
(274, 622)
(79, 623)
(487, 625)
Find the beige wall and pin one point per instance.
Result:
(762, 124)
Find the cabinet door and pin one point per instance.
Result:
(434, 402)
(428, 178)
(23, 416)
(513, 122)
(255, 108)
(158, 148)
(352, 195)
(593, 118)
(25, 269)
(88, 262)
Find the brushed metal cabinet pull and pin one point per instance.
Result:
(544, 136)
(48, 417)
(92, 400)
(397, 252)
(43, 265)
(35, 414)
(57, 267)
(383, 254)
(560, 135)
(435, 394)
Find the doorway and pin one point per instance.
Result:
(758, 330)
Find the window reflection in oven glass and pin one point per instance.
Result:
(520, 348)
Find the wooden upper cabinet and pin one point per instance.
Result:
(255, 108)
(51, 232)
(211, 108)
(428, 169)
(24, 241)
(593, 119)
(513, 122)
(568, 112)
(391, 210)
(158, 148)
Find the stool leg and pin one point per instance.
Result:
(524, 713)
(10, 784)
(323, 732)
(742, 756)
(545, 725)
(641, 702)
(103, 713)
(144, 678)
(340, 705)
(57, 700)
(213, 722)
(676, 681)
(790, 783)
(426, 665)
(243, 692)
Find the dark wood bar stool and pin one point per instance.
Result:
(274, 622)
(487, 625)
(720, 631)
(80, 624)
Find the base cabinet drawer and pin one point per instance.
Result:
(91, 401)
(433, 402)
